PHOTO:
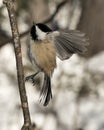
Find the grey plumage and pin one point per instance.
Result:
(46, 93)
(69, 42)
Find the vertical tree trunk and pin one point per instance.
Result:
(92, 23)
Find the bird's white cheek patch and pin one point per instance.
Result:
(41, 35)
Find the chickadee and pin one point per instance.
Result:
(45, 45)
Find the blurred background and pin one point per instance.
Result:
(77, 83)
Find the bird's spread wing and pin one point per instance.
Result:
(68, 42)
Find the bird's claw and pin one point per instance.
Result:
(29, 78)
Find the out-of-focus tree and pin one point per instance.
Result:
(92, 23)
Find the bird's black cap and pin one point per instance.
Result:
(44, 27)
(41, 26)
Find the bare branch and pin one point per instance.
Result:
(10, 40)
(59, 6)
(20, 72)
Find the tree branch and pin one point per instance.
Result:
(59, 6)
(20, 72)
(10, 40)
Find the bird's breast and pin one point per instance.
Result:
(45, 55)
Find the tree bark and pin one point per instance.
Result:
(20, 72)
(92, 23)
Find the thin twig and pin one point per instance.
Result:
(20, 73)
(59, 6)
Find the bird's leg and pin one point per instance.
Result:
(31, 77)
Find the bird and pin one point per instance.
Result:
(47, 44)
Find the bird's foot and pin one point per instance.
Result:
(31, 77)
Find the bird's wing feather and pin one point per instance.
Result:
(68, 42)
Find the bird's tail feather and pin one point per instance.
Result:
(46, 93)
